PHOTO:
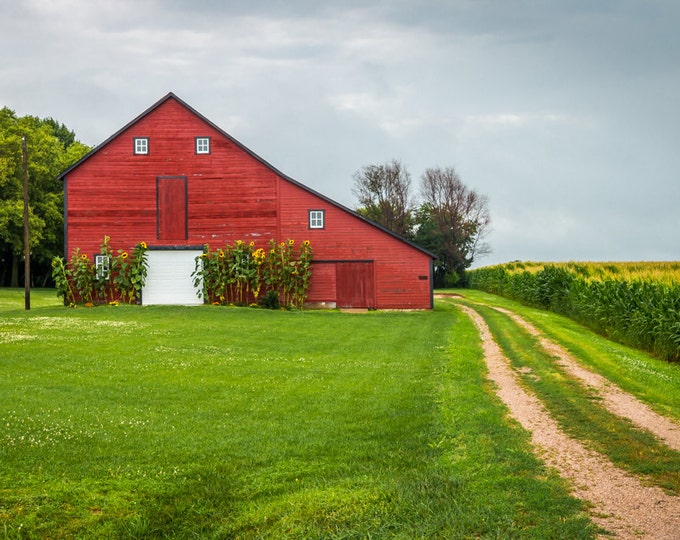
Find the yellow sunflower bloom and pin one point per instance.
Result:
(306, 243)
(291, 242)
(83, 256)
(124, 255)
(143, 245)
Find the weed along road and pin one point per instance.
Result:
(564, 417)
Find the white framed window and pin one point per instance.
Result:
(141, 145)
(317, 219)
(102, 264)
(202, 145)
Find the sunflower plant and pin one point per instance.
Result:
(80, 281)
(139, 268)
(62, 277)
(82, 271)
(103, 282)
(240, 272)
(302, 275)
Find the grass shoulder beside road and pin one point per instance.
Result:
(224, 422)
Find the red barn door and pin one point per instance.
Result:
(355, 284)
(171, 207)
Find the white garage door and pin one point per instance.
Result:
(169, 280)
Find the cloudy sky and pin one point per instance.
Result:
(564, 113)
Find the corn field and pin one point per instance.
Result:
(637, 304)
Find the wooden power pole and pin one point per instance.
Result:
(27, 249)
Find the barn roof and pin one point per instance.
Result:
(171, 95)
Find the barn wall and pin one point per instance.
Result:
(323, 286)
(231, 195)
(402, 271)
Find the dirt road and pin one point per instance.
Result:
(621, 504)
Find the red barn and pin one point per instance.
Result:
(175, 180)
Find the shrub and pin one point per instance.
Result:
(239, 273)
(80, 281)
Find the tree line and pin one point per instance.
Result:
(52, 148)
(447, 218)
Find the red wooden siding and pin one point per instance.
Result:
(322, 287)
(229, 194)
(402, 272)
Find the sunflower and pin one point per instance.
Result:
(306, 243)
(220, 254)
(291, 242)
(258, 255)
(252, 243)
(83, 256)
(143, 245)
(124, 255)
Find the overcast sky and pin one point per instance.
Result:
(565, 114)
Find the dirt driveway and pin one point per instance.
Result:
(621, 504)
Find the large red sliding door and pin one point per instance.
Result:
(355, 284)
(171, 208)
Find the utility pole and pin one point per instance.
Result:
(27, 249)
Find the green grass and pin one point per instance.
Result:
(13, 299)
(215, 422)
(577, 409)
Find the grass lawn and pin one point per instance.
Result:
(216, 422)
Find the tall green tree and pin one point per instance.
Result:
(452, 222)
(51, 149)
(384, 195)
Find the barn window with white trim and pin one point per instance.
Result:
(316, 219)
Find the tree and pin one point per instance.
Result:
(451, 222)
(51, 148)
(384, 195)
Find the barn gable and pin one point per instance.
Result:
(174, 179)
